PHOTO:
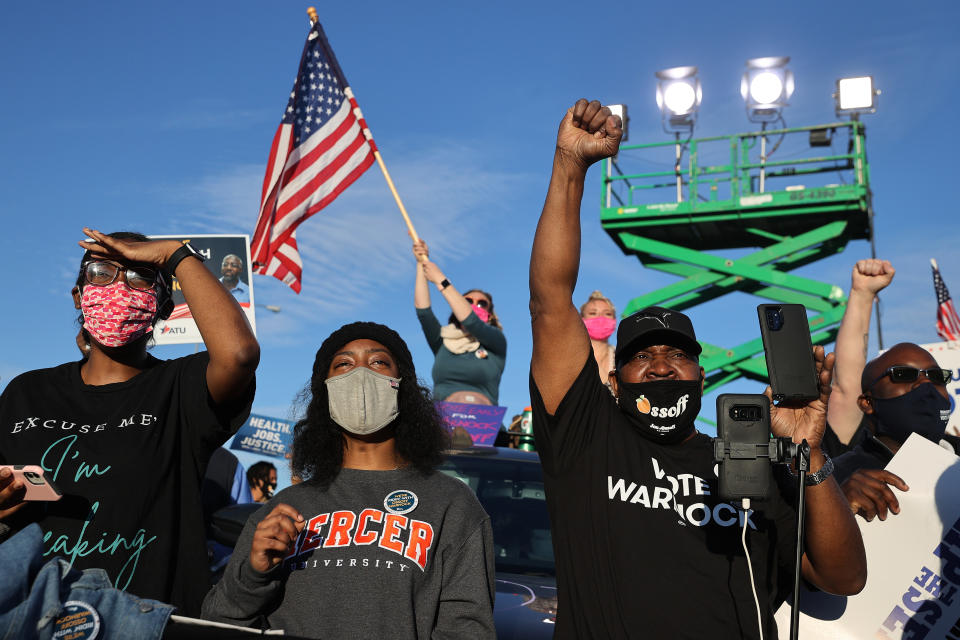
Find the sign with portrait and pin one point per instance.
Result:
(228, 259)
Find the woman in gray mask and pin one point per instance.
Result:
(374, 542)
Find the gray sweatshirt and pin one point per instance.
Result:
(384, 554)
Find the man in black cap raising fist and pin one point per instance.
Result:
(644, 547)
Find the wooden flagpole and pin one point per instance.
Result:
(312, 12)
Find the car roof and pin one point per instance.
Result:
(499, 453)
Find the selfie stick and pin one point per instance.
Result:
(803, 465)
(778, 450)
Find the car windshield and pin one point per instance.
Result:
(511, 491)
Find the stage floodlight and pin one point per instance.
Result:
(678, 97)
(766, 86)
(621, 110)
(856, 95)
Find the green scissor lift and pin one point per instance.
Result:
(751, 200)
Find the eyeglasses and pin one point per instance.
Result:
(100, 274)
(483, 304)
(904, 374)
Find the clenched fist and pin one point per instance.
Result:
(588, 133)
(872, 276)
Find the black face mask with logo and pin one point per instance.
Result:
(922, 411)
(663, 411)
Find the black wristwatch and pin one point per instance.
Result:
(443, 284)
(185, 251)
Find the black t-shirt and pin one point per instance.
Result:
(644, 547)
(832, 446)
(129, 458)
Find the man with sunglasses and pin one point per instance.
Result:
(904, 391)
(844, 417)
(127, 436)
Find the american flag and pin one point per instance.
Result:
(948, 324)
(321, 146)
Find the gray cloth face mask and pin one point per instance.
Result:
(363, 401)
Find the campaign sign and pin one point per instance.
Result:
(228, 259)
(481, 421)
(264, 436)
(913, 561)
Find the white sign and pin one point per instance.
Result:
(228, 259)
(947, 355)
(913, 561)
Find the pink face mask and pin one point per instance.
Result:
(482, 313)
(116, 314)
(600, 327)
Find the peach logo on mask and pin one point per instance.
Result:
(643, 405)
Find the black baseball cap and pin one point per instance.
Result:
(656, 325)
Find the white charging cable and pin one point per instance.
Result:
(745, 505)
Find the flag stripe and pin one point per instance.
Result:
(332, 189)
(325, 165)
(316, 183)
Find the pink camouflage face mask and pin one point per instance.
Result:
(115, 315)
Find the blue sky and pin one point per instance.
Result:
(159, 119)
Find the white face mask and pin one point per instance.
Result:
(363, 401)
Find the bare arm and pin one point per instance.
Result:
(421, 289)
(234, 352)
(428, 271)
(869, 278)
(560, 342)
(834, 559)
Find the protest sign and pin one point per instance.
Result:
(481, 421)
(265, 436)
(228, 259)
(913, 561)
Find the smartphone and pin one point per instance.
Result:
(743, 421)
(788, 351)
(39, 488)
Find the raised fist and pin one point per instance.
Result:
(588, 133)
(872, 276)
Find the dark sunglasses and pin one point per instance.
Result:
(483, 304)
(100, 274)
(904, 374)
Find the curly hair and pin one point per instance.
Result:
(318, 441)
(259, 473)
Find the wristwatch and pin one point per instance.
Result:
(443, 284)
(821, 474)
(185, 251)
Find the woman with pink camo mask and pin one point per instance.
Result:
(469, 352)
(125, 436)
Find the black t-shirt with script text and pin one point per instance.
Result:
(129, 458)
(644, 546)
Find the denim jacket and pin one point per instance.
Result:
(34, 594)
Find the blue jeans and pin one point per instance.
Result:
(33, 594)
